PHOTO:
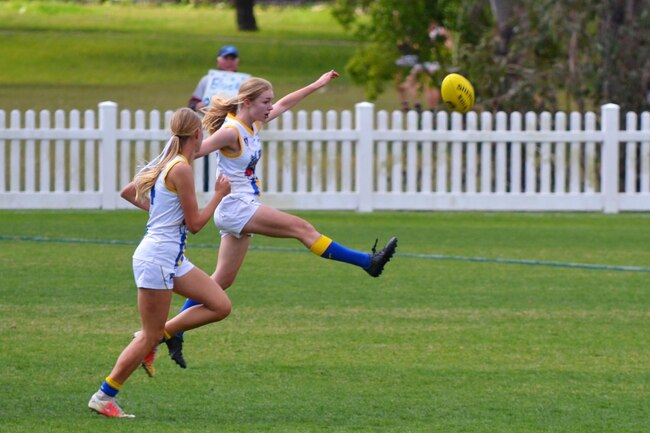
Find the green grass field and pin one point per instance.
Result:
(69, 56)
(483, 322)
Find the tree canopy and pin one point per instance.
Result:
(529, 54)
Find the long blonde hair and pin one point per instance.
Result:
(183, 123)
(250, 89)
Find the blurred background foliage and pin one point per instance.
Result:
(520, 55)
(540, 54)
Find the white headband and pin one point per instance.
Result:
(151, 164)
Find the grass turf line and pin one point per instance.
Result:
(595, 267)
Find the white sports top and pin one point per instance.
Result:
(239, 167)
(166, 236)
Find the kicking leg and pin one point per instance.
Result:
(272, 222)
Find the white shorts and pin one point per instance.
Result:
(233, 213)
(150, 275)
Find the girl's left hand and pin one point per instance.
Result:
(326, 77)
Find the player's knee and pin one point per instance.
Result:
(219, 304)
(225, 308)
(304, 229)
(151, 339)
(221, 309)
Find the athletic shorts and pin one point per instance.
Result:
(233, 213)
(150, 275)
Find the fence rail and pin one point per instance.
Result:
(337, 160)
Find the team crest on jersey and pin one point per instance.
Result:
(250, 168)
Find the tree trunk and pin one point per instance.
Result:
(245, 17)
(502, 11)
(623, 55)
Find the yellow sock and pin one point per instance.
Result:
(113, 383)
(320, 245)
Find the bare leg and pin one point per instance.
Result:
(154, 308)
(215, 304)
(275, 223)
(232, 252)
(433, 97)
(401, 88)
(412, 85)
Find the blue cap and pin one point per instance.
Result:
(228, 50)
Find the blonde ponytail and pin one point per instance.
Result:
(145, 180)
(215, 115)
(183, 123)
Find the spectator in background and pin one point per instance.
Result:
(227, 61)
(405, 63)
(224, 82)
(424, 76)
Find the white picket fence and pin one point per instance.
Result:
(334, 160)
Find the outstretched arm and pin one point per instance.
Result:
(293, 98)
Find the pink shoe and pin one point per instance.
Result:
(107, 406)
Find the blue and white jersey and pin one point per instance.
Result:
(239, 167)
(166, 236)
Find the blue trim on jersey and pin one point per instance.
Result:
(181, 253)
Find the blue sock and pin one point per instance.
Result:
(110, 387)
(327, 248)
(188, 304)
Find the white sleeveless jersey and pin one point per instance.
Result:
(239, 167)
(165, 239)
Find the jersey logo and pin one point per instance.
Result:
(250, 168)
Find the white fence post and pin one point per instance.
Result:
(108, 153)
(32, 155)
(365, 174)
(609, 125)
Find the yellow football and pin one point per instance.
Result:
(457, 93)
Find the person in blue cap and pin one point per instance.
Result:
(227, 60)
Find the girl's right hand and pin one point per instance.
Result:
(222, 186)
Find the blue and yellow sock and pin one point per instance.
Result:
(327, 248)
(188, 304)
(110, 387)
